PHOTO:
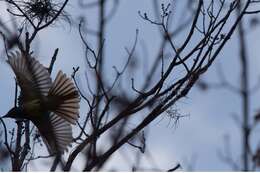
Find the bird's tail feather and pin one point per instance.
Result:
(64, 90)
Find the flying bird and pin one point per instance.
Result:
(51, 106)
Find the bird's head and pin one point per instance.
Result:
(15, 112)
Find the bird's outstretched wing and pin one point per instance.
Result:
(33, 78)
(64, 98)
(59, 135)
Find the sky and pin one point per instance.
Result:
(197, 138)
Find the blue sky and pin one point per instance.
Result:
(196, 138)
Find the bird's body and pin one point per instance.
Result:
(51, 106)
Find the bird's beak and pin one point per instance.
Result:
(5, 116)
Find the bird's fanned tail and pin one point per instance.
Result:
(66, 94)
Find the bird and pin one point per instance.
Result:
(52, 106)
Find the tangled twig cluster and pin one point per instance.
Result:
(37, 11)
